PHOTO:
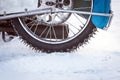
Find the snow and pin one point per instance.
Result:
(98, 60)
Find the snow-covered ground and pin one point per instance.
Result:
(98, 60)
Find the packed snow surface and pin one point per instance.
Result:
(98, 60)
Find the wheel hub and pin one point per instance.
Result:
(54, 18)
(50, 3)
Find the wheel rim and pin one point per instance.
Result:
(69, 20)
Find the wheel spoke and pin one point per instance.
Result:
(32, 26)
(72, 31)
(29, 23)
(36, 28)
(48, 32)
(43, 31)
(54, 33)
(73, 25)
(78, 18)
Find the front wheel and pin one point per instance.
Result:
(57, 31)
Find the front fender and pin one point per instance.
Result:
(101, 6)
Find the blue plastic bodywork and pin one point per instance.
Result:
(101, 6)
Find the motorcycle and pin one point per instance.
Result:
(54, 25)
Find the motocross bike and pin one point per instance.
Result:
(54, 25)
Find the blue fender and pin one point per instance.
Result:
(101, 6)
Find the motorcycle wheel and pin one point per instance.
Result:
(57, 32)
